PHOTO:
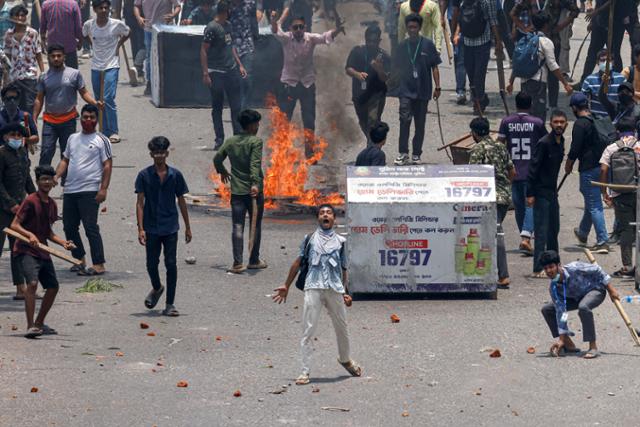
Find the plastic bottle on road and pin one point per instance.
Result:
(631, 299)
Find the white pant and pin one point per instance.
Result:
(314, 299)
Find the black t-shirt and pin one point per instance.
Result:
(415, 74)
(584, 144)
(360, 60)
(371, 156)
(219, 56)
(622, 10)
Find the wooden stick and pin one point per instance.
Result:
(56, 253)
(614, 186)
(607, 71)
(447, 41)
(101, 111)
(462, 138)
(254, 219)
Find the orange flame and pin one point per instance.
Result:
(288, 167)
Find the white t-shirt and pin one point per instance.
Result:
(104, 40)
(86, 154)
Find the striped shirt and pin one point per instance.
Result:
(490, 14)
(591, 87)
(61, 23)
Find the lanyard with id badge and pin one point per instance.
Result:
(413, 58)
(565, 314)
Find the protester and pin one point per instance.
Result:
(542, 193)
(247, 180)
(158, 187)
(222, 71)
(325, 283)
(57, 95)
(416, 64)
(592, 84)
(23, 48)
(34, 220)
(574, 286)
(430, 14)
(536, 85)
(475, 21)
(201, 14)
(293, 9)
(562, 14)
(11, 113)
(136, 33)
(298, 73)
(521, 14)
(586, 147)
(373, 154)
(244, 29)
(446, 10)
(486, 151)
(15, 185)
(619, 164)
(521, 132)
(148, 13)
(61, 24)
(369, 67)
(632, 73)
(626, 106)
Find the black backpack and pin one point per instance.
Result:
(604, 134)
(472, 20)
(304, 264)
(624, 166)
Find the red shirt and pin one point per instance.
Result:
(37, 217)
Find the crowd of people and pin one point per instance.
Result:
(526, 156)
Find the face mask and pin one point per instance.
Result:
(14, 143)
(602, 67)
(12, 108)
(88, 126)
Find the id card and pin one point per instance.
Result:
(333, 262)
(363, 85)
(415, 73)
(564, 317)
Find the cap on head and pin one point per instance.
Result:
(579, 100)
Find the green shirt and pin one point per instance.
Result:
(490, 152)
(245, 153)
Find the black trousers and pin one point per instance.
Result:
(415, 109)
(289, 96)
(241, 205)
(370, 112)
(598, 41)
(546, 226)
(77, 208)
(155, 245)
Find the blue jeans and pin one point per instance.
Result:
(110, 119)
(524, 214)
(593, 210)
(247, 82)
(458, 62)
(147, 48)
(51, 134)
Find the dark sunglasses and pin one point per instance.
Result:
(297, 27)
(11, 98)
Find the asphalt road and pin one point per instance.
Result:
(432, 368)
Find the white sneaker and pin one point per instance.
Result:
(402, 160)
(115, 138)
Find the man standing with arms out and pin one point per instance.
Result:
(585, 146)
(245, 154)
(106, 35)
(87, 164)
(158, 186)
(222, 71)
(24, 49)
(61, 25)
(521, 132)
(58, 87)
(148, 13)
(592, 84)
(429, 11)
(15, 185)
(489, 152)
(299, 74)
(542, 194)
(34, 220)
(574, 286)
(325, 283)
(244, 29)
(416, 61)
(475, 21)
(619, 164)
(373, 154)
(369, 68)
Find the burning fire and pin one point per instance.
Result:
(288, 168)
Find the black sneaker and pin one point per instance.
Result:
(402, 160)
(415, 160)
(461, 98)
(582, 240)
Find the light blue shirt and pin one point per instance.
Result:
(327, 274)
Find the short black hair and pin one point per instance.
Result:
(299, 18)
(44, 170)
(378, 132)
(413, 17)
(159, 143)
(13, 127)
(372, 31)
(523, 101)
(549, 257)
(54, 47)
(18, 10)
(480, 126)
(247, 117)
(223, 7)
(326, 205)
(558, 113)
(11, 87)
(89, 109)
(626, 124)
(96, 3)
(540, 20)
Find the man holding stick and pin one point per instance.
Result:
(34, 220)
(574, 286)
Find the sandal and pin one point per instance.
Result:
(33, 332)
(78, 267)
(90, 272)
(154, 296)
(539, 275)
(352, 367)
(303, 379)
(170, 311)
(47, 330)
(591, 354)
